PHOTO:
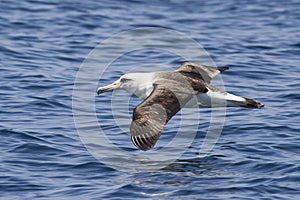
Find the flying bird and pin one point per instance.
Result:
(165, 93)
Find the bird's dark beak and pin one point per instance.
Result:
(110, 87)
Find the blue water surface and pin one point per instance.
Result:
(42, 45)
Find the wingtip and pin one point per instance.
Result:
(253, 104)
(222, 69)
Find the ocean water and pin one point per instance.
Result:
(46, 153)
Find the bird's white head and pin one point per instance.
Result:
(131, 82)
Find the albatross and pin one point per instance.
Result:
(166, 92)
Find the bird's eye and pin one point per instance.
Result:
(124, 80)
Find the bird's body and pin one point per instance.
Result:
(165, 93)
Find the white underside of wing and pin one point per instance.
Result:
(216, 98)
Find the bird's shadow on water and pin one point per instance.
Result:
(181, 172)
(208, 165)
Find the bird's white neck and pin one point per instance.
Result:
(142, 85)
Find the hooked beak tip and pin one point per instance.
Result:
(110, 87)
(102, 90)
(99, 92)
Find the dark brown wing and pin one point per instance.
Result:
(207, 73)
(151, 116)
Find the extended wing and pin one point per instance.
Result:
(151, 116)
(207, 73)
